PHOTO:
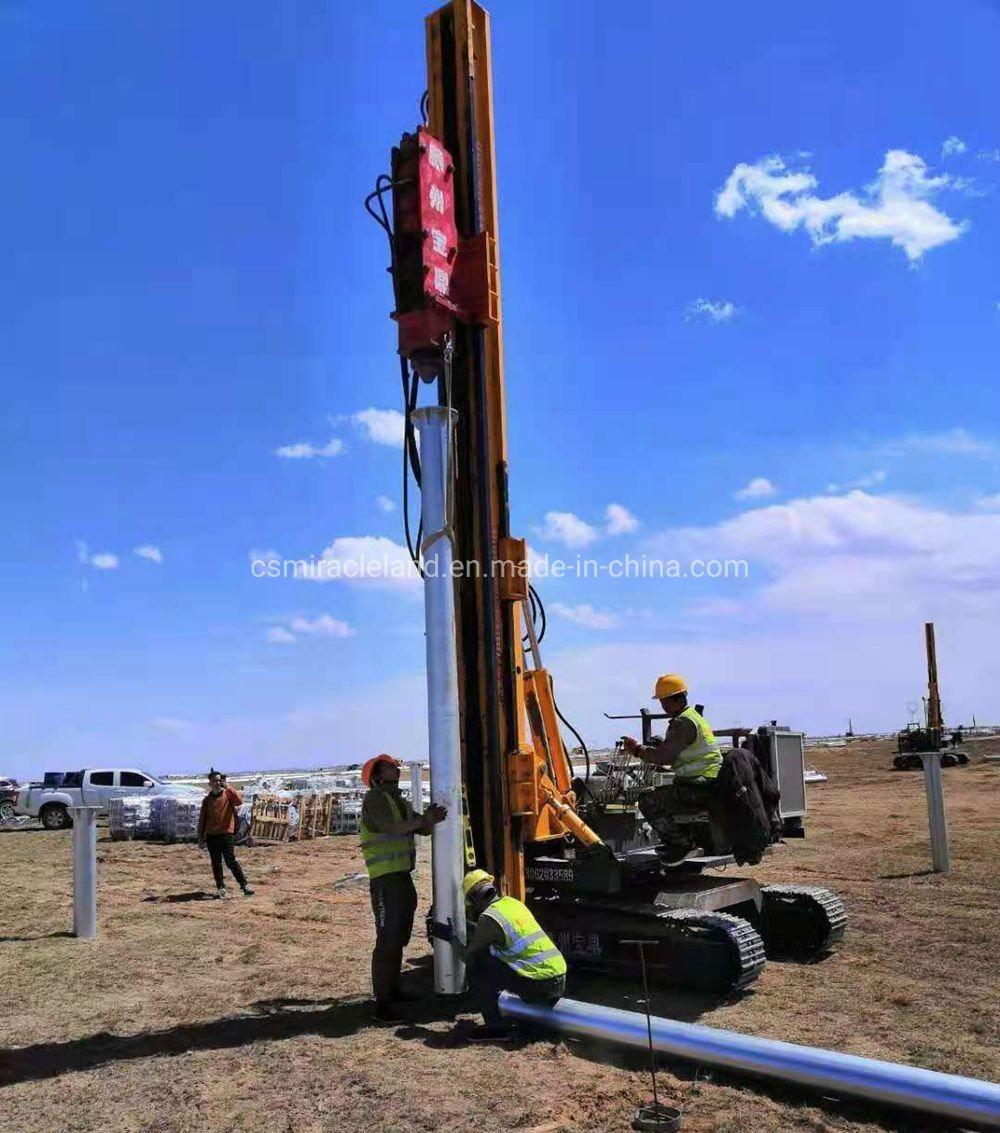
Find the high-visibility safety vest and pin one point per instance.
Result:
(702, 759)
(527, 949)
(388, 853)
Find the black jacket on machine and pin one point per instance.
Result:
(747, 800)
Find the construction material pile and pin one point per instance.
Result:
(285, 817)
(176, 818)
(282, 815)
(131, 817)
(347, 813)
(289, 786)
(171, 818)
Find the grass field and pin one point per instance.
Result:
(189, 1014)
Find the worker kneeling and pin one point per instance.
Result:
(507, 951)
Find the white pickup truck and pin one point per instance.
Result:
(96, 786)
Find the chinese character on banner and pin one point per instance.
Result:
(437, 199)
(435, 155)
(439, 242)
(441, 281)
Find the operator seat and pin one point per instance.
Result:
(685, 817)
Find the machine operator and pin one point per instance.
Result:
(690, 748)
(691, 751)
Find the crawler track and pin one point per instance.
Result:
(801, 919)
(710, 951)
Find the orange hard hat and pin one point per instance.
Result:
(369, 767)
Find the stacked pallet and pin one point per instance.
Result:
(270, 820)
(315, 814)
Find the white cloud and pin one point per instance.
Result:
(384, 504)
(585, 615)
(381, 426)
(759, 488)
(837, 556)
(989, 155)
(148, 551)
(807, 676)
(572, 531)
(171, 725)
(363, 560)
(321, 626)
(989, 503)
(567, 528)
(101, 560)
(895, 206)
(872, 480)
(713, 608)
(952, 146)
(950, 442)
(619, 520)
(303, 450)
(711, 311)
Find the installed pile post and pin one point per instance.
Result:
(84, 871)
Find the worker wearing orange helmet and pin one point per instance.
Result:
(388, 824)
(690, 748)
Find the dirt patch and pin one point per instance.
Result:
(251, 1014)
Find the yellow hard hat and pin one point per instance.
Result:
(670, 684)
(473, 878)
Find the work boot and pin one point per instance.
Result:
(220, 893)
(386, 1012)
(247, 891)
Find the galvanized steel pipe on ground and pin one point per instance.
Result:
(965, 1100)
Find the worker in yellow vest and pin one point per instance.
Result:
(690, 748)
(388, 824)
(507, 951)
(692, 752)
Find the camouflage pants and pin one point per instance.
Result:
(661, 805)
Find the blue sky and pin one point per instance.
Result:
(739, 247)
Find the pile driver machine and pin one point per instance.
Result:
(914, 740)
(496, 750)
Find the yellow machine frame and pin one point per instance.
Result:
(531, 795)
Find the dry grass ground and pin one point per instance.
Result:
(191, 1014)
